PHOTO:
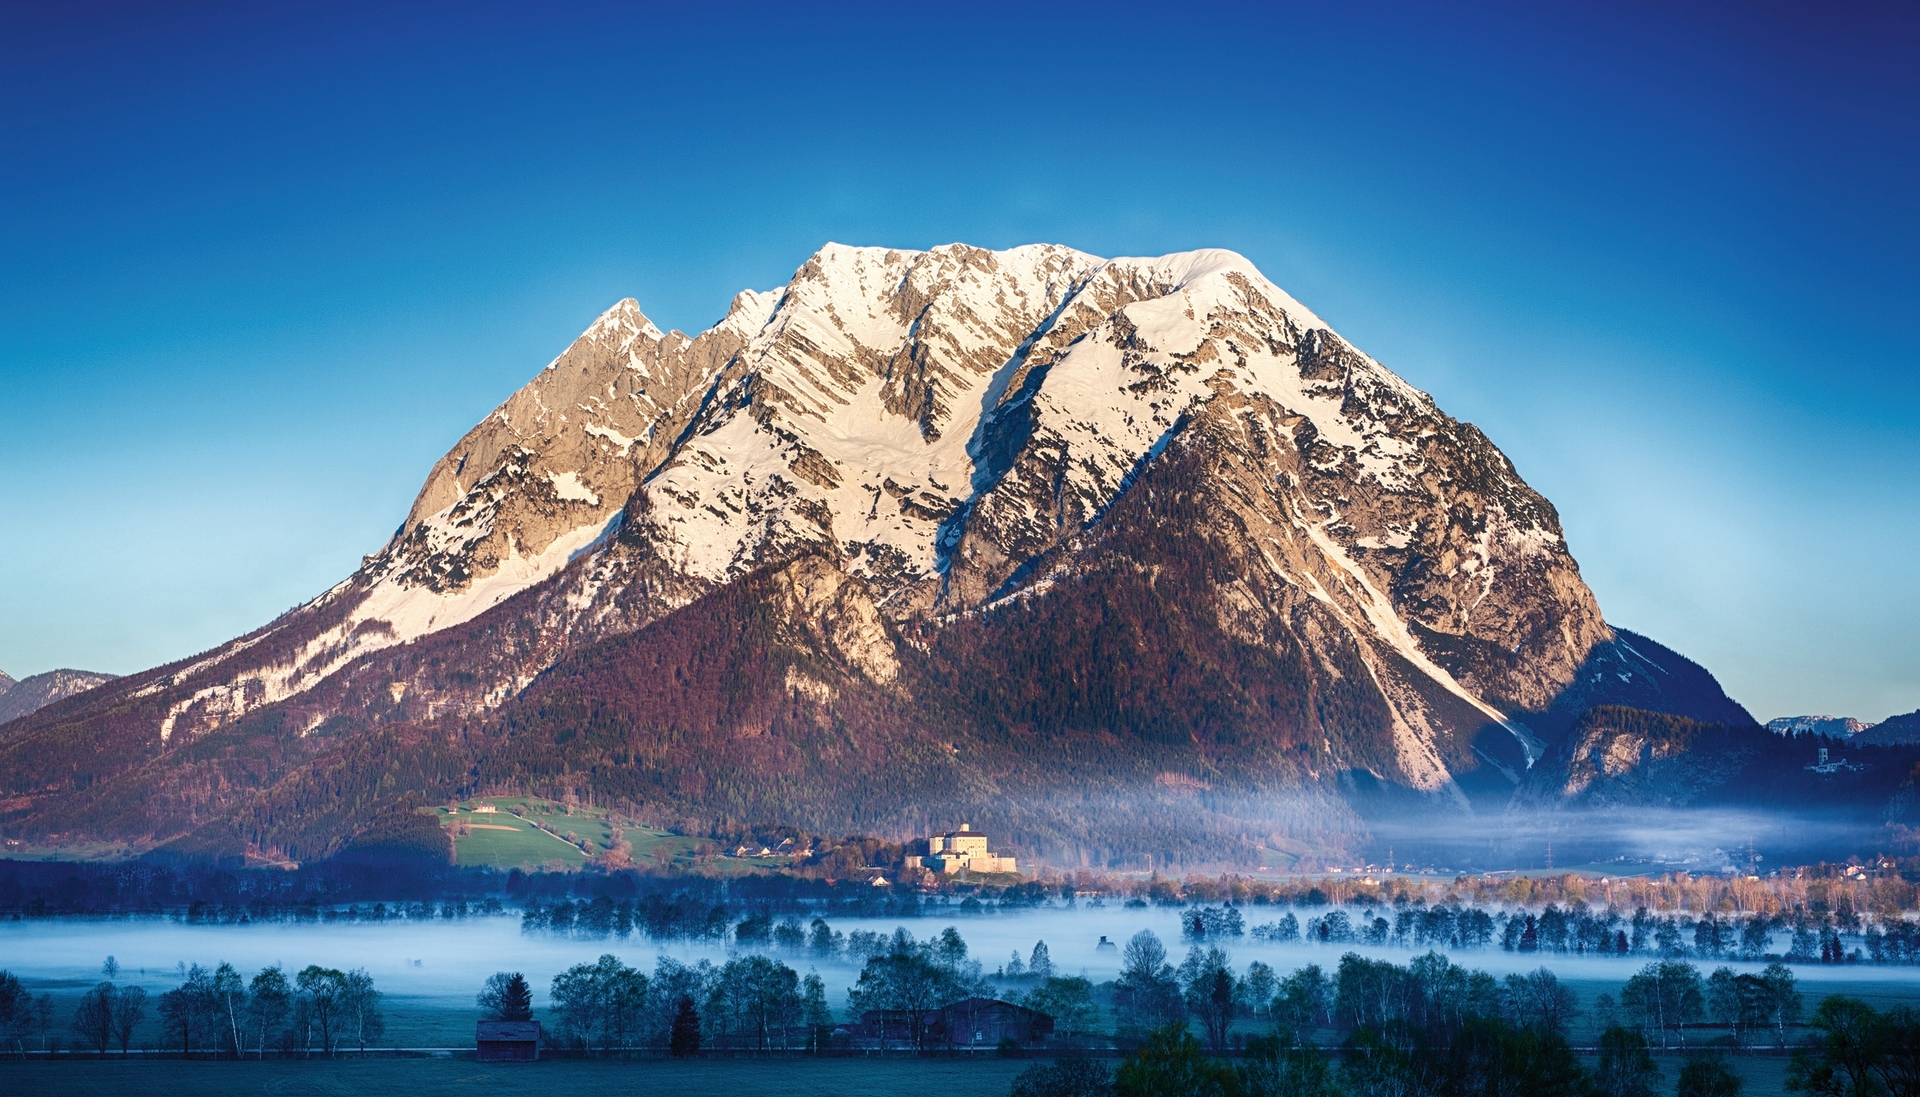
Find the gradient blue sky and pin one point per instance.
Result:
(260, 265)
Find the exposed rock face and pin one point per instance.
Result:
(563, 455)
(37, 691)
(897, 444)
(1628, 759)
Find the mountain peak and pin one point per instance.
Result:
(621, 326)
(938, 421)
(1152, 509)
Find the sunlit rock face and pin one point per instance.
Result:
(913, 442)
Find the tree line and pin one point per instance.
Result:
(1659, 1001)
(1432, 1028)
(1578, 930)
(748, 1003)
(214, 1011)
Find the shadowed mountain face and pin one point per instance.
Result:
(1629, 780)
(1904, 728)
(1119, 557)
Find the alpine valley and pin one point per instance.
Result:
(1132, 562)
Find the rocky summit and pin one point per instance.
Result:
(1123, 558)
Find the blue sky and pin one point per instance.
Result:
(260, 265)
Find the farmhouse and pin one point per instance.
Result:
(965, 848)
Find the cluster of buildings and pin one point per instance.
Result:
(786, 848)
(1838, 765)
(965, 848)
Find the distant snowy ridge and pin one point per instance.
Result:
(1840, 726)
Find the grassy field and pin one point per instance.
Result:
(798, 1077)
(431, 1077)
(535, 837)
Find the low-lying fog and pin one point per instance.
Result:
(445, 961)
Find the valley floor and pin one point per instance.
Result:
(794, 1077)
(435, 1077)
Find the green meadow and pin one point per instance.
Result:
(529, 833)
(446, 1077)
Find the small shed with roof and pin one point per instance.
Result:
(507, 1041)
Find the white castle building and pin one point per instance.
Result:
(965, 848)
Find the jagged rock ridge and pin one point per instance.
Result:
(941, 437)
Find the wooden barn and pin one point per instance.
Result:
(985, 1022)
(969, 1024)
(507, 1041)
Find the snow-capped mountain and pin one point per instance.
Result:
(895, 448)
(1837, 726)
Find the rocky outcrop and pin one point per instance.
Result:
(1619, 758)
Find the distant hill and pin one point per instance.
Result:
(31, 694)
(1627, 776)
(1894, 729)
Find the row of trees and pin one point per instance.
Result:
(1657, 1003)
(1437, 1030)
(661, 917)
(754, 1002)
(1152, 993)
(213, 1011)
(1435, 1038)
(1664, 997)
(820, 942)
(1577, 930)
(1840, 893)
(1436, 1044)
(1574, 930)
(749, 1003)
(210, 892)
(758, 1003)
(23, 1018)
